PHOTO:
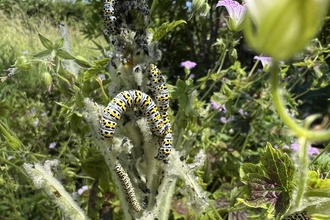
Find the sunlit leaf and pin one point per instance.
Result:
(165, 28)
(47, 43)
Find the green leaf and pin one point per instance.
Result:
(315, 182)
(269, 183)
(165, 28)
(47, 43)
(59, 43)
(43, 53)
(249, 171)
(102, 62)
(278, 166)
(90, 73)
(4, 108)
(94, 165)
(64, 54)
(82, 61)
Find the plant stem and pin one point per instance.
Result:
(302, 176)
(280, 107)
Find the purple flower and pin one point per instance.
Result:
(82, 189)
(291, 113)
(52, 145)
(188, 64)
(224, 120)
(221, 108)
(102, 76)
(214, 105)
(311, 150)
(265, 61)
(242, 112)
(9, 157)
(191, 76)
(236, 14)
(295, 146)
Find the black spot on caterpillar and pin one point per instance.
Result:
(116, 15)
(127, 185)
(136, 98)
(297, 216)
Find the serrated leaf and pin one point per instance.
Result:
(47, 43)
(278, 166)
(249, 170)
(43, 53)
(269, 183)
(64, 54)
(281, 206)
(253, 204)
(165, 28)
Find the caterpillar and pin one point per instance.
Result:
(136, 98)
(110, 20)
(115, 17)
(158, 88)
(297, 216)
(127, 185)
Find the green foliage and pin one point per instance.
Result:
(270, 183)
(165, 28)
(226, 110)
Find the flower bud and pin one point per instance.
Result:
(233, 55)
(200, 7)
(281, 28)
(23, 63)
(47, 80)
